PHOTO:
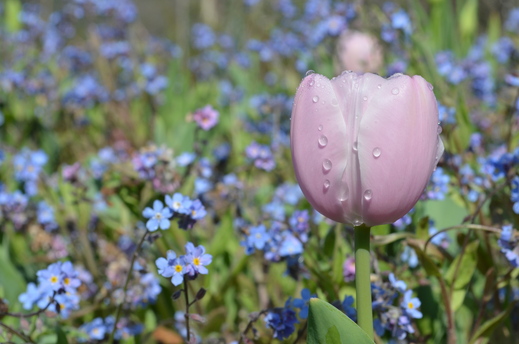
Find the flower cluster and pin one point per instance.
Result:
(395, 320)
(56, 289)
(509, 245)
(178, 206)
(206, 117)
(192, 264)
(276, 243)
(27, 167)
(261, 155)
(100, 329)
(282, 321)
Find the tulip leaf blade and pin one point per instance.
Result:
(326, 324)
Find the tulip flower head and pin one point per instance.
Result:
(364, 147)
(359, 52)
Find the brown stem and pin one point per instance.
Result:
(476, 227)
(186, 297)
(128, 276)
(451, 329)
(16, 333)
(27, 315)
(251, 322)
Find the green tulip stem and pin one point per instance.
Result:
(362, 279)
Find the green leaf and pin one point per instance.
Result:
(427, 263)
(326, 324)
(10, 278)
(457, 299)
(13, 8)
(333, 336)
(422, 228)
(490, 325)
(462, 275)
(382, 240)
(62, 337)
(469, 18)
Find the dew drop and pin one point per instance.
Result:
(343, 79)
(395, 91)
(368, 194)
(318, 85)
(320, 128)
(355, 146)
(334, 102)
(365, 98)
(379, 86)
(439, 130)
(345, 193)
(323, 102)
(357, 222)
(310, 72)
(323, 141)
(430, 86)
(376, 152)
(327, 165)
(315, 99)
(312, 82)
(326, 184)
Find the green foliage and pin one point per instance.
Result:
(327, 325)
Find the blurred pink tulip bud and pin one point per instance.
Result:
(359, 52)
(364, 147)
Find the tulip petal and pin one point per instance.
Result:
(398, 146)
(320, 151)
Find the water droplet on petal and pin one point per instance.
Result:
(326, 184)
(376, 152)
(379, 86)
(315, 99)
(357, 222)
(355, 146)
(430, 86)
(345, 193)
(311, 83)
(318, 85)
(320, 128)
(439, 130)
(365, 98)
(310, 72)
(368, 194)
(395, 91)
(323, 141)
(334, 102)
(327, 165)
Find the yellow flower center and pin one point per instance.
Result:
(66, 281)
(176, 205)
(178, 268)
(54, 279)
(410, 305)
(196, 261)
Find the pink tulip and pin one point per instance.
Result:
(359, 52)
(364, 147)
